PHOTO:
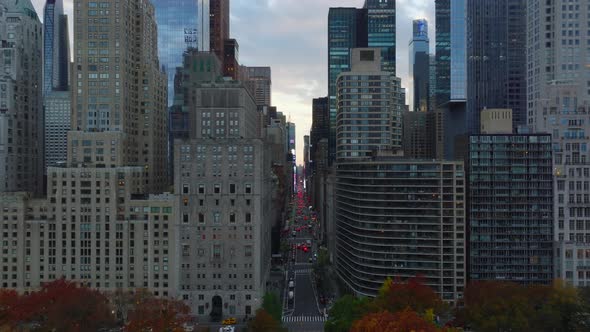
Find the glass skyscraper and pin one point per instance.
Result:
(420, 65)
(180, 26)
(56, 47)
(496, 53)
(381, 30)
(451, 71)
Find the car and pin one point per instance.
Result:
(310, 260)
(308, 242)
(227, 329)
(291, 284)
(229, 321)
(294, 233)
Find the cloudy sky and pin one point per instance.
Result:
(291, 37)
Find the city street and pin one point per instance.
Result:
(300, 310)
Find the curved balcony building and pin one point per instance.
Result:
(400, 218)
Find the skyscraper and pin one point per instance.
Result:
(219, 25)
(451, 71)
(496, 53)
(558, 102)
(204, 25)
(420, 65)
(177, 30)
(127, 100)
(371, 26)
(21, 116)
(345, 28)
(56, 97)
(56, 47)
(380, 15)
(357, 137)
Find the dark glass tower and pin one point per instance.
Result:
(451, 90)
(381, 30)
(177, 30)
(56, 47)
(496, 53)
(420, 65)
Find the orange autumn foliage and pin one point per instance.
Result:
(157, 315)
(402, 321)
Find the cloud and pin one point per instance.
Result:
(291, 37)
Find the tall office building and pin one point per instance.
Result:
(397, 217)
(56, 47)
(177, 31)
(203, 25)
(56, 95)
(362, 129)
(380, 15)
(218, 25)
(451, 85)
(127, 100)
(370, 26)
(558, 102)
(496, 53)
(21, 114)
(511, 206)
(420, 65)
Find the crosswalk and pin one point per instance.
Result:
(302, 271)
(298, 319)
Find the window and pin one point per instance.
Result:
(248, 189)
(216, 216)
(217, 251)
(185, 189)
(201, 189)
(217, 189)
(248, 251)
(232, 188)
(185, 218)
(201, 218)
(248, 217)
(232, 217)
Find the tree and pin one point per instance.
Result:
(8, 302)
(264, 322)
(396, 296)
(157, 314)
(58, 306)
(499, 306)
(402, 321)
(272, 306)
(345, 311)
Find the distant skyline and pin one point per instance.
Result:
(290, 36)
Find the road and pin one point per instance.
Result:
(302, 312)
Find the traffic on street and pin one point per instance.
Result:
(301, 310)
